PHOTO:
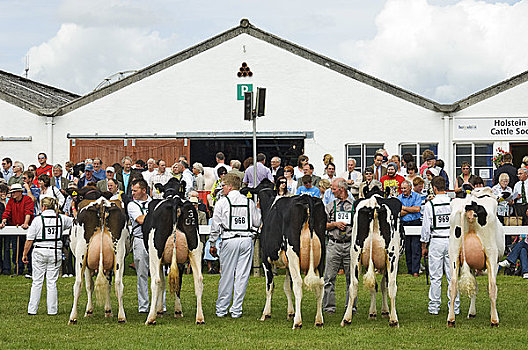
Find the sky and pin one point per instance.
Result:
(442, 50)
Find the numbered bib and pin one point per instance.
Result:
(239, 223)
(344, 216)
(50, 233)
(441, 213)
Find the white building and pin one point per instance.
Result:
(190, 103)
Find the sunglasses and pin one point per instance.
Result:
(41, 157)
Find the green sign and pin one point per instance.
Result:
(241, 88)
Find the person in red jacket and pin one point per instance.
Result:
(44, 168)
(18, 212)
(392, 181)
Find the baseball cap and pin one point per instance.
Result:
(88, 167)
(110, 168)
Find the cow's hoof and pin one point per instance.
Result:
(372, 316)
(88, 313)
(494, 324)
(319, 324)
(108, 313)
(291, 316)
(74, 321)
(385, 314)
(297, 326)
(394, 324)
(150, 323)
(265, 317)
(178, 314)
(451, 324)
(346, 323)
(121, 320)
(159, 313)
(470, 316)
(200, 322)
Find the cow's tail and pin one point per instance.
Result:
(311, 280)
(100, 281)
(467, 282)
(174, 273)
(369, 279)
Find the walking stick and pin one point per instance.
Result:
(426, 264)
(17, 254)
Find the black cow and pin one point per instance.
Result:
(171, 236)
(376, 241)
(293, 237)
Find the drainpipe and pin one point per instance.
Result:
(448, 148)
(50, 121)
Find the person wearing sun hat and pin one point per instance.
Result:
(18, 212)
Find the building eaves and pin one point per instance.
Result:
(247, 28)
(490, 92)
(32, 96)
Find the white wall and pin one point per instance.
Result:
(17, 122)
(199, 94)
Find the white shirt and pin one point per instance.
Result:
(297, 173)
(517, 190)
(188, 177)
(427, 225)
(35, 230)
(134, 211)
(53, 192)
(220, 221)
(148, 174)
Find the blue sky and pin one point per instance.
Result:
(443, 50)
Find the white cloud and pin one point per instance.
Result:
(444, 52)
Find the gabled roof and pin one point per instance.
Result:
(34, 97)
(246, 28)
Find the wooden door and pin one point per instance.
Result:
(112, 151)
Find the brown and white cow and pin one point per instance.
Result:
(476, 242)
(99, 241)
(171, 236)
(376, 241)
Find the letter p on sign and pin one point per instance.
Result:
(241, 89)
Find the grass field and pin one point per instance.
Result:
(417, 329)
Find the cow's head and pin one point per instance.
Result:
(374, 187)
(265, 192)
(173, 187)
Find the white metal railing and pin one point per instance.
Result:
(205, 229)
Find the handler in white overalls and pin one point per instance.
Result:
(234, 218)
(46, 232)
(435, 231)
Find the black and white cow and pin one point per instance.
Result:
(171, 236)
(99, 241)
(376, 242)
(476, 242)
(293, 237)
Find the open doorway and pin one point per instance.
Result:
(518, 151)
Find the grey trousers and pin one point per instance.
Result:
(337, 255)
(236, 258)
(438, 264)
(141, 260)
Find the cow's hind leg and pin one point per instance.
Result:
(119, 270)
(491, 265)
(392, 265)
(108, 303)
(77, 286)
(355, 266)
(295, 273)
(372, 310)
(195, 258)
(89, 292)
(159, 300)
(454, 266)
(319, 313)
(155, 286)
(268, 273)
(384, 287)
(178, 312)
(287, 286)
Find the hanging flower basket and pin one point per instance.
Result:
(499, 154)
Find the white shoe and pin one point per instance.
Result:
(525, 275)
(505, 263)
(64, 276)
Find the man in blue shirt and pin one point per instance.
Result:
(410, 216)
(307, 187)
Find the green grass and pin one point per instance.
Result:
(417, 328)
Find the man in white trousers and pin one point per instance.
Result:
(234, 220)
(46, 233)
(435, 232)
